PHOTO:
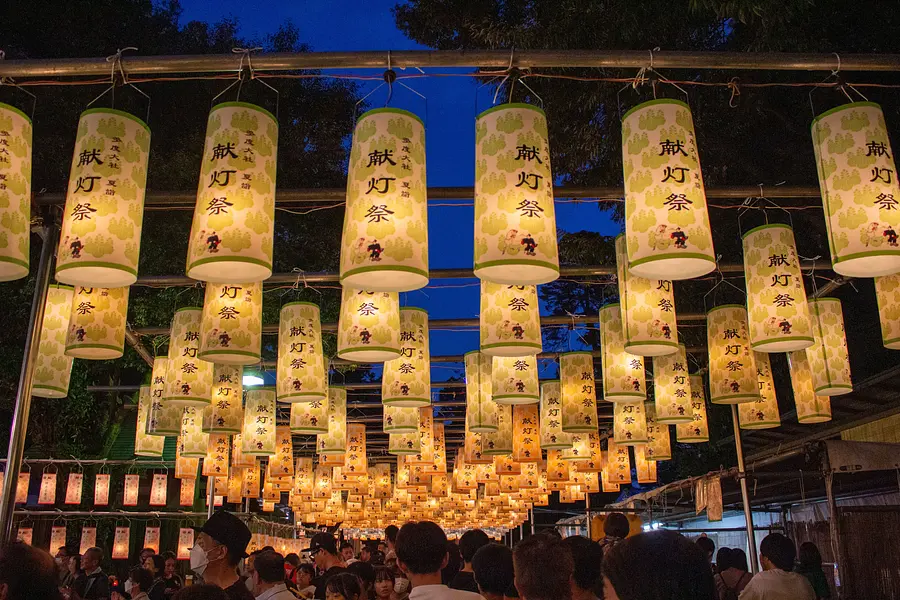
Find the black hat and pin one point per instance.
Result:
(322, 541)
(229, 531)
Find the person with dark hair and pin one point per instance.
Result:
(204, 591)
(305, 574)
(422, 554)
(470, 542)
(145, 553)
(454, 562)
(62, 563)
(384, 583)
(93, 584)
(324, 551)
(347, 553)
(732, 576)
(219, 547)
(587, 557)
(171, 578)
(709, 548)
(809, 564)
(492, 566)
(139, 581)
(366, 574)
(71, 572)
(365, 553)
(268, 577)
(543, 568)
(156, 565)
(291, 562)
(343, 586)
(777, 581)
(615, 530)
(658, 565)
(27, 573)
(377, 558)
(390, 538)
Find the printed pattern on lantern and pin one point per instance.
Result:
(215, 463)
(334, 442)
(15, 192)
(225, 413)
(258, 431)
(514, 380)
(301, 363)
(144, 443)
(629, 423)
(132, 486)
(672, 388)
(586, 454)
(828, 357)
(97, 323)
(481, 410)
(400, 419)
(192, 442)
(369, 325)
(645, 469)
(579, 394)
(762, 413)
(811, 408)
(623, 373)
(406, 380)
(659, 444)
(404, 443)
(231, 324)
(619, 463)
(163, 418)
(510, 321)
(101, 489)
(74, 487)
(551, 431)
(887, 292)
(309, 417)
(697, 430)
(732, 370)
(158, 489)
(53, 367)
(188, 379)
(356, 464)
(526, 433)
(425, 455)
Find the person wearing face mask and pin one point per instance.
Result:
(268, 577)
(221, 543)
(324, 552)
(136, 586)
(62, 562)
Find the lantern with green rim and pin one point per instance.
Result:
(231, 323)
(732, 370)
(828, 357)
(53, 367)
(406, 380)
(15, 195)
(762, 413)
(510, 320)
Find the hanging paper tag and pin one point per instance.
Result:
(24, 534)
(73, 489)
(101, 490)
(132, 483)
(47, 495)
(22, 487)
(120, 542)
(185, 542)
(151, 538)
(57, 538)
(158, 490)
(187, 492)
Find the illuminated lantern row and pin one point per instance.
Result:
(500, 441)
(762, 413)
(163, 418)
(672, 388)
(659, 446)
(828, 357)
(551, 417)
(629, 423)
(666, 219)
(578, 390)
(385, 236)
(811, 408)
(860, 193)
(515, 219)
(510, 320)
(99, 242)
(647, 310)
(406, 380)
(232, 231)
(145, 444)
(697, 430)
(15, 193)
(732, 370)
(97, 323)
(192, 442)
(623, 373)
(335, 441)
(309, 417)
(481, 410)
(258, 431)
(53, 367)
(514, 380)
(188, 379)
(225, 413)
(776, 299)
(369, 326)
(301, 362)
(231, 324)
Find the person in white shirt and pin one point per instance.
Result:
(777, 582)
(543, 568)
(421, 554)
(268, 577)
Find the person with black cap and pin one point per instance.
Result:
(324, 552)
(220, 545)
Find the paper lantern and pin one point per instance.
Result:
(400, 419)
(188, 379)
(158, 489)
(99, 242)
(15, 192)
(672, 388)
(732, 370)
(526, 433)
(231, 325)
(301, 364)
(89, 539)
(225, 414)
(515, 219)
(356, 464)
(185, 543)
(309, 417)
(101, 489)
(514, 380)
(860, 194)
(666, 219)
(192, 441)
(369, 326)
(185, 466)
(406, 380)
(47, 492)
(659, 445)
(425, 456)
(697, 430)
(645, 469)
(57, 537)
(25, 534)
(231, 234)
(53, 367)
(238, 458)
(551, 432)
(481, 410)
(557, 466)
(623, 373)
(510, 320)
(762, 413)
(579, 396)
(619, 463)
(145, 444)
(333, 460)
(74, 487)
(887, 293)
(304, 475)
(629, 423)
(151, 538)
(250, 485)
(258, 431)
(97, 323)
(163, 418)
(439, 465)
(499, 442)
(404, 443)
(385, 235)
(586, 454)
(215, 463)
(131, 490)
(828, 357)
(335, 441)
(811, 408)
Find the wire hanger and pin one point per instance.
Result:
(116, 60)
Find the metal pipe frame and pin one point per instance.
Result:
(745, 495)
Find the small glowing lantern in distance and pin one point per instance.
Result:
(258, 432)
(500, 441)
(526, 434)
(335, 441)
(406, 380)
(164, 418)
(659, 446)
(144, 444)
(225, 413)
(811, 408)
(629, 423)
(697, 430)
(301, 363)
(97, 323)
(481, 410)
(762, 413)
(231, 325)
(579, 397)
(188, 379)
(514, 380)
(552, 434)
(53, 368)
(672, 388)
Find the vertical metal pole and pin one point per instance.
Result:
(844, 590)
(745, 496)
(23, 396)
(521, 531)
(587, 514)
(210, 496)
(532, 521)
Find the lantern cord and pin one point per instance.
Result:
(718, 283)
(116, 60)
(735, 91)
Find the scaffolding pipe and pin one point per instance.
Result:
(745, 496)
(210, 496)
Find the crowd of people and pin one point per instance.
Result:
(418, 562)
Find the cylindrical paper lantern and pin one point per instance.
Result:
(385, 236)
(763, 413)
(510, 320)
(238, 459)
(100, 239)
(425, 455)
(776, 298)
(551, 431)
(225, 414)
(645, 469)
(163, 418)
(185, 466)
(369, 326)
(526, 433)
(828, 357)
(231, 326)
(281, 464)
(579, 396)
(629, 423)
(145, 444)
(304, 475)
(666, 220)
(404, 443)
(356, 464)
(400, 419)
(514, 380)
(586, 454)
(406, 380)
(697, 430)
(335, 441)
(887, 293)
(89, 538)
(215, 463)
(623, 373)
(235, 481)
(619, 462)
(53, 367)
(557, 466)
(439, 465)
(732, 370)
(860, 194)
(231, 235)
(15, 191)
(250, 485)
(473, 447)
(301, 364)
(659, 446)
(97, 323)
(647, 310)
(192, 441)
(309, 417)
(811, 408)
(481, 410)
(672, 388)
(258, 431)
(189, 379)
(515, 219)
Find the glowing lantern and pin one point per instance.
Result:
(666, 220)
(645, 469)
(97, 323)
(514, 380)
(762, 413)
(192, 440)
(335, 441)
(400, 419)
(53, 367)
(510, 320)
(250, 485)
(151, 538)
(659, 445)
(130, 492)
(185, 543)
(185, 466)
(623, 373)
(369, 326)
(188, 379)
(887, 292)
(163, 418)
(225, 413)
(481, 410)
(15, 214)
(404, 443)
(499, 442)
(811, 408)
(557, 466)
(828, 357)
(301, 364)
(304, 476)
(332, 460)
(235, 481)
(629, 423)
(406, 380)
(551, 431)
(101, 489)
(857, 176)
(586, 454)
(439, 465)
(215, 463)
(47, 492)
(732, 370)
(385, 236)
(356, 464)
(579, 398)
(515, 220)
(309, 417)
(158, 489)
(99, 242)
(258, 432)
(697, 430)
(238, 459)
(619, 463)
(74, 487)
(672, 388)
(231, 325)
(57, 536)
(89, 538)
(145, 444)
(426, 439)
(526, 433)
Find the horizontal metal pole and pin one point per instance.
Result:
(496, 59)
(116, 513)
(93, 461)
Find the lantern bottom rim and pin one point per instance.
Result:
(516, 400)
(506, 350)
(165, 432)
(393, 278)
(660, 458)
(403, 402)
(622, 397)
(307, 430)
(400, 430)
(230, 357)
(96, 274)
(659, 348)
(690, 440)
(674, 420)
(517, 272)
(876, 263)
(185, 402)
(301, 398)
(738, 399)
(373, 354)
(631, 442)
(815, 418)
(673, 266)
(148, 453)
(225, 430)
(95, 351)
(834, 390)
(12, 269)
(229, 269)
(785, 344)
(760, 425)
(46, 391)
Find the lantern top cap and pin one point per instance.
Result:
(244, 105)
(301, 302)
(656, 101)
(10, 107)
(821, 300)
(508, 105)
(420, 309)
(609, 306)
(842, 107)
(723, 306)
(545, 381)
(113, 111)
(388, 109)
(60, 286)
(767, 226)
(574, 352)
(197, 308)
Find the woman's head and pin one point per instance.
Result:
(74, 564)
(724, 558)
(809, 556)
(155, 564)
(343, 586)
(384, 582)
(739, 559)
(171, 564)
(305, 574)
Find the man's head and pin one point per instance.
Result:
(535, 579)
(26, 572)
(616, 525)
(224, 537)
(141, 580)
(268, 571)
(91, 559)
(390, 535)
(708, 546)
(382, 547)
(323, 550)
(421, 548)
(777, 552)
(346, 551)
(365, 554)
(470, 542)
(493, 568)
(62, 552)
(145, 553)
(292, 559)
(587, 557)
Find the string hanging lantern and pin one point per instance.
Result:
(369, 326)
(99, 242)
(53, 367)
(860, 193)
(238, 459)
(281, 464)
(225, 413)
(163, 418)
(811, 408)
(425, 456)
(385, 236)
(406, 380)
(732, 372)
(887, 293)
(697, 430)
(623, 373)
(474, 444)
(645, 469)
(514, 380)
(672, 388)
(552, 435)
(439, 465)
(309, 417)
(659, 445)
(666, 219)
(515, 219)
(232, 230)
(301, 362)
(231, 324)
(619, 462)
(404, 444)
(250, 485)
(97, 323)
(557, 466)
(510, 320)
(304, 476)
(586, 454)
(258, 431)
(188, 379)
(192, 442)
(828, 357)
(400, 419)
(762, 413)
(215, 463)
(481, 410)
(145, 444)
(579, 398)
(526, 433)
(356, 465)
(15, 192)
(335, 441)
(629, 423)
(185, 466)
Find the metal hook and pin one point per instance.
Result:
(735, 91)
